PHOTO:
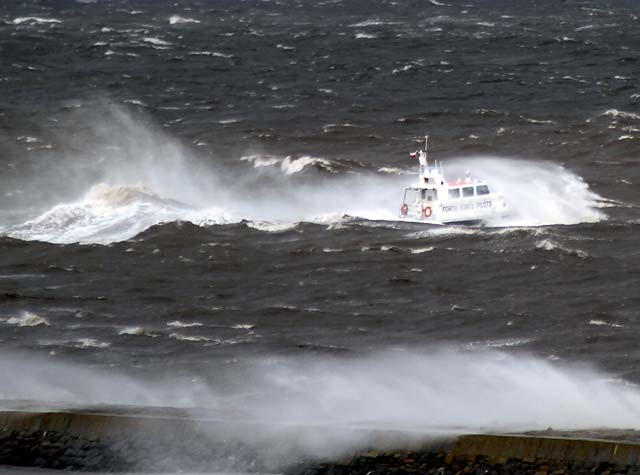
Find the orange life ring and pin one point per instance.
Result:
(426, 211)
(404, 209)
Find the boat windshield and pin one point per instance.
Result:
(482, 190)
(416, 195)
(429, 195)
(412, 195)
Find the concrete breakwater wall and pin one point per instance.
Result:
(164, 439)
(497, 455)
(169, 439)
(122, 442)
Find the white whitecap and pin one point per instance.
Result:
(137, 331)
(34, 19)
(27, 319)
(271, 227)
(191, 338)
(422, 250)
(90, 343)
(156, 41)
(178, 20)
(551, 245)
(111, 213)
(395, 171)
(210, 53)
(603, 323)
(179, 324)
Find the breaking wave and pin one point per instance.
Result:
(107, 214)
(550, 245)
(291, 166)
(35, 20)
(177, 20)
(149, 178)
(26, 319)
(537, 193)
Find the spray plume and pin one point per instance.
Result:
(132, 175)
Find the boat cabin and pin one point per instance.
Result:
(434, 199)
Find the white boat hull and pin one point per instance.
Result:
(435, 200)
(482, 210)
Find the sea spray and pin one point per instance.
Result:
(140, 176)
(287, 408)
(445, 389)
(538, 193)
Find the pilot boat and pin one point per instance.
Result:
(435, 200)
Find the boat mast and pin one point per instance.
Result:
(426, 146)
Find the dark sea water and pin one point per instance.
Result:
(199, 202)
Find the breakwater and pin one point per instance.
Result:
(164, 439)
(497, 454)
(148, 439)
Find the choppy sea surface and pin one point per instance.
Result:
(199, 203)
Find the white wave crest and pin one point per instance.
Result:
(274, 193)
(294, 166)
(178, 20)
(27, 319)
(179, 324)
(110, 213)
(35, 19)
(137, 331)
(422, 250)
(551, 245)
(618, 114)
(192, 338)
(365, 36)
(291, 166)
(90, 343)
(271, 227)
(371, 22)
(395, 171)
(606, 324)
(216, 55)
(444, 231)
(537, 193)
(156, 41)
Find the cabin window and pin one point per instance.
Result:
(454, 193)
(482, 190)
(429, 195)
(467, 192)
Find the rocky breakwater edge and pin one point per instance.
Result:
(115, 439)
(602, 452)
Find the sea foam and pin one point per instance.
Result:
(27, 319)
(178, 20)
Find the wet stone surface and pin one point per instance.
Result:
(429, 463)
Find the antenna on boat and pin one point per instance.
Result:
(426, 146)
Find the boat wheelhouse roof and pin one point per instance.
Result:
(447, 184)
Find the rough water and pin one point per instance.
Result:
(199, 206)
